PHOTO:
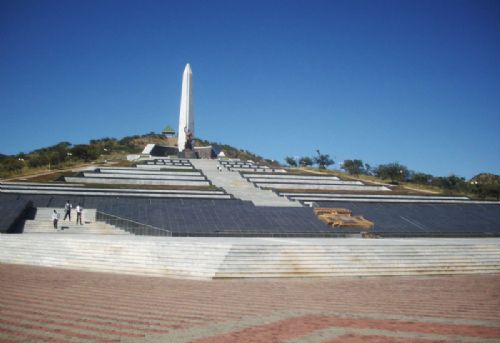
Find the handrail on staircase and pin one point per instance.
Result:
(132, 226)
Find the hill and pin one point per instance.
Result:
(64, 156)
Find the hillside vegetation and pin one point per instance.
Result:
(65, 155)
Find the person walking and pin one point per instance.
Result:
(67, 210)
(79, 211)
(55, 218)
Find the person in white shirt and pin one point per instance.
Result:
(55, 218)
(79, 211)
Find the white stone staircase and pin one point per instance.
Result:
(42, 223)
(234, 184)
(134, 255)
(362, 258)
(211, 258)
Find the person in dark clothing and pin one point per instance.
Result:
(67, 210)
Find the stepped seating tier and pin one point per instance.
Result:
(164, 167)
(167, 160)
(205, 258)
(329, 187)
(253, 211)
(137, 171)
(290, 176)
(372, 196)
(237, 165)
(381, 198)
(137, 181)
(268, 179)
(136, 177)
(167, 163)
(292, 182)
(71, 189)
(179, 176)
(259, 170)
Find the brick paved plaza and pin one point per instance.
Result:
(53, 305)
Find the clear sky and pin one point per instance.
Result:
(411, 81)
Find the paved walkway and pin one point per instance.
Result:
(234, 184)
(53, 305)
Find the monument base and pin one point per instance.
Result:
(187, 153)
(162, 150)
(157, 150)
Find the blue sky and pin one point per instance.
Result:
(411, 81)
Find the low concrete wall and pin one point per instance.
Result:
(298, 181)
(394, 200)
(322, 187)
(147, 172)
(77, 190)
(145, 177)
(136, 181)
(112, 193)
(290, 176)
(260, 170)
(158, 167)
(372, 196)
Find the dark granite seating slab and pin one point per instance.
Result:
(12, 209)
(426, 220)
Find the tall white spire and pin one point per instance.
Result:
(186, 115)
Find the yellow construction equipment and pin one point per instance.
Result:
(342, 218)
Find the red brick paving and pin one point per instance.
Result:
(300, 326)
(381, 339)
(53, 305)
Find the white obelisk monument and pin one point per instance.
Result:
(186, 115)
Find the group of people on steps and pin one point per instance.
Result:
(67, 214)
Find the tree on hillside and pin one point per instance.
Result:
(323, 160)
(368, 170)
(393, 171)
(84, 152)
(450, 183)
(421, 178)
(305, 161)
(486, 185)
(11, 164)
(291, 161)
(38, 160)
(353, 167)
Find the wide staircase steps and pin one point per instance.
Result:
(134, 255)
(359, 260)
(212, 258)
(233, 183)
(42, 223)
